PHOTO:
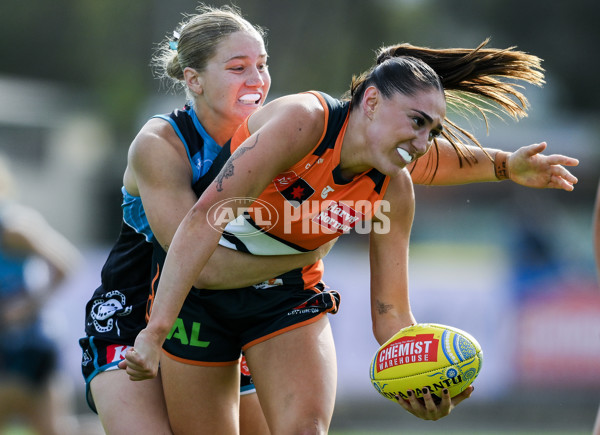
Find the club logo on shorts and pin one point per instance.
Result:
(273, 282)
(86, 358)
(105, 309)
(116, 352)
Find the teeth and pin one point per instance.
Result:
(405, 155)
(250, 98)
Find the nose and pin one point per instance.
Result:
(421, 143)
(255, 78)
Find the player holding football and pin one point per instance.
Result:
(168, 161)
(396, 114)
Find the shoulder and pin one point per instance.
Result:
(304, 115)
(156, 146)
(400, 196)
(156, 137)
(156, 132)
(304, 108)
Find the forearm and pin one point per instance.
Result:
(192, 246)
(443, 166)
(387, 324)
(390, 303)
(388, 256)
(229, 269)
(525, 166)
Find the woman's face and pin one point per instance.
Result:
(234, 83)
(402, 128)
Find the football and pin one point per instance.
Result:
(426, 355)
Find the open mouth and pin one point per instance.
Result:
(408, 158)
(250, 99)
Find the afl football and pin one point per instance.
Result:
(426, 355)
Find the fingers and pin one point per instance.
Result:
(553, 159)
(462, 396)
(406, 404)
(559, 159)
(135, 367)
(427, 408)
(560, 172)
(446, 404)
(535, 148)
(532, 169)
(560, 183)
(433, 412)
(415, 406)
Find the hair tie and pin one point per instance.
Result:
(173, 44)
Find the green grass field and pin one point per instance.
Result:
(21, 431)
(477, 432)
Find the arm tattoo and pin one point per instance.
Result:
(382, 307)
(227, 170)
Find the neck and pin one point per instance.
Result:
(220, 129)
(353, 156)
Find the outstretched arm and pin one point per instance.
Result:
(390, 303)
(526, 166)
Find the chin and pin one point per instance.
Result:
(248, 110)
(392, 171)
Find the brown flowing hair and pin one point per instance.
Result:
(481, 81)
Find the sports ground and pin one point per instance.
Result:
(552, 413)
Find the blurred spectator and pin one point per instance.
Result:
(596, 242)
(34, 260)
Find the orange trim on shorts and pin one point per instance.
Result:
(281, 331)
(312, 275)
(152, 294)
(200, 363)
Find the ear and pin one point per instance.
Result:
(370, 100)
(193, 80)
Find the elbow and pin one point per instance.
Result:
(378, 332)
(208, 280)
(215, 215)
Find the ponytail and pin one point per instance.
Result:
(479, 81)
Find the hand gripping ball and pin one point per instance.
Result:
(426, 355)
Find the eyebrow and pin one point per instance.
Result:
(243, 56)
(429, 119)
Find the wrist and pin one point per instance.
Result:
(157, 332)
(383, 330)
(501, 165)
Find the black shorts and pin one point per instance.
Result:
(214, 326)
(113, 319)
(100, 355)
(117, 316)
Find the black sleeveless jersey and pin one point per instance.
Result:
(116, 311)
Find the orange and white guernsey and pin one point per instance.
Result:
(310, 203)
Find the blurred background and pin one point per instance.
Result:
(512, 266)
